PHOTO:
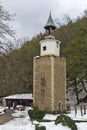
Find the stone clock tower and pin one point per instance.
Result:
(49, 74)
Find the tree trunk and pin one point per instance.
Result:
(76, 91)
(83, 85)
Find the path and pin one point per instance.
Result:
(6, 117)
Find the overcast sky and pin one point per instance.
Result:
(32, 15)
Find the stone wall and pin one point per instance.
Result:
(60, 83)
(49, 76)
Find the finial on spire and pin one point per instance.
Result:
(50, 24)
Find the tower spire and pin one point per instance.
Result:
(50, 26)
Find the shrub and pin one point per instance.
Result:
(36, 114)
(66, 121)
(4, 110)
(40, 128)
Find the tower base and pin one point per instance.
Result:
(49, 83)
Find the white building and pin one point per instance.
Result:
(50, 46)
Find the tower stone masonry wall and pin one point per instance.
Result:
(49, 82)
(60, 83)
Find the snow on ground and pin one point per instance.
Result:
(78, 115)
(21, 113)
(18, 124)
(24, 123)
(2, 110)
(52, 126)
(82, 126)
(50, 117)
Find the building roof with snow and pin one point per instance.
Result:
(20, 96)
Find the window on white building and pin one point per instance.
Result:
(44, 48)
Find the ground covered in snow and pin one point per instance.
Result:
(22, 121)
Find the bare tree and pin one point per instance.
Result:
(63, 20)
(6, 31)
(18, 43)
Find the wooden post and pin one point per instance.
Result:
(81, 110)
(84, 109)
(75, 110)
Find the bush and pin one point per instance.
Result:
(40, 128)
(66, 121)
(36, 114)
(4, 110)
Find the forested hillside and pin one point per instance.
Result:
(16, 67)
